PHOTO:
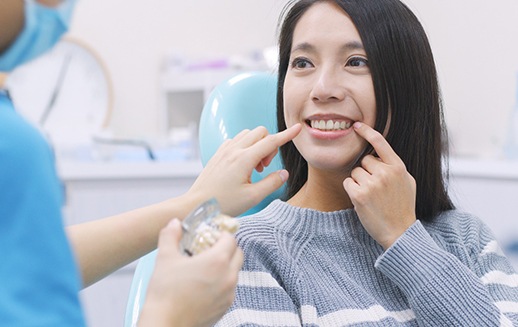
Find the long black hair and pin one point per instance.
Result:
(406, 88)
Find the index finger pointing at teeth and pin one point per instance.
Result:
(378, 142)
(273, 141)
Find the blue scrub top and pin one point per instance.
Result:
(39, 280)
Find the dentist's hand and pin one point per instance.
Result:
(382, 191)
(191, 291)
(227, 174)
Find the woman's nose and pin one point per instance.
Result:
(328, 87)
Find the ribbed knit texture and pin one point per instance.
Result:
(309, 268)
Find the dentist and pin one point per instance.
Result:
(44, 266)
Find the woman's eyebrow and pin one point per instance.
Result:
(353, 45)
(304, 47)
(308, 47)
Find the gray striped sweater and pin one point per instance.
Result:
(310, 268)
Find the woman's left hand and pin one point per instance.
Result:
(382, 191)
(227, 175)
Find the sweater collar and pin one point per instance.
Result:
(287, 217)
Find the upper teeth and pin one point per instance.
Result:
(329, 125)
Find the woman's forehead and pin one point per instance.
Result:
(324, 21)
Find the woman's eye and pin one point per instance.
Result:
(358, 62)
(301, 63)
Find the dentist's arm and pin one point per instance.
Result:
(103, 246)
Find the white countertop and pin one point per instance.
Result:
(484, 168)
(76, 170)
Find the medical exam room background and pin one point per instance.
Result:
(475, 44)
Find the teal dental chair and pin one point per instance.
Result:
(242, 102)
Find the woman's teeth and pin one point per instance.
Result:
(330, 125)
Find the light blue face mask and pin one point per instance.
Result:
(43, 27)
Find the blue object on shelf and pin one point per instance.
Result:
(512, 248)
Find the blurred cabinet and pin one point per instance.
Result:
(183, 94)
(97, 190)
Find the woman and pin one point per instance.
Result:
(368, 234)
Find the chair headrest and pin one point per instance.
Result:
(242, 102)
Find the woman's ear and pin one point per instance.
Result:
(12, 18)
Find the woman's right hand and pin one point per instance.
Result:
(191, 291)
(382, 190)
(227, 175)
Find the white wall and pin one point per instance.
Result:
(476, 49)
(475, 43)
(133, 36)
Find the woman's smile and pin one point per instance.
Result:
(328, 127)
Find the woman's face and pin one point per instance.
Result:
(328, 87)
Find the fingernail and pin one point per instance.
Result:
(357, 124)
(173, 222)
(283, 174)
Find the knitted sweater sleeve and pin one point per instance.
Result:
(443, 289)
(270, 307)
(261, 297)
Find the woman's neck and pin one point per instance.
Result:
(323, 192)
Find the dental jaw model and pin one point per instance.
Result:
(203, 227)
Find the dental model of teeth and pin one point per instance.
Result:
(330, 125)
(208, 233)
